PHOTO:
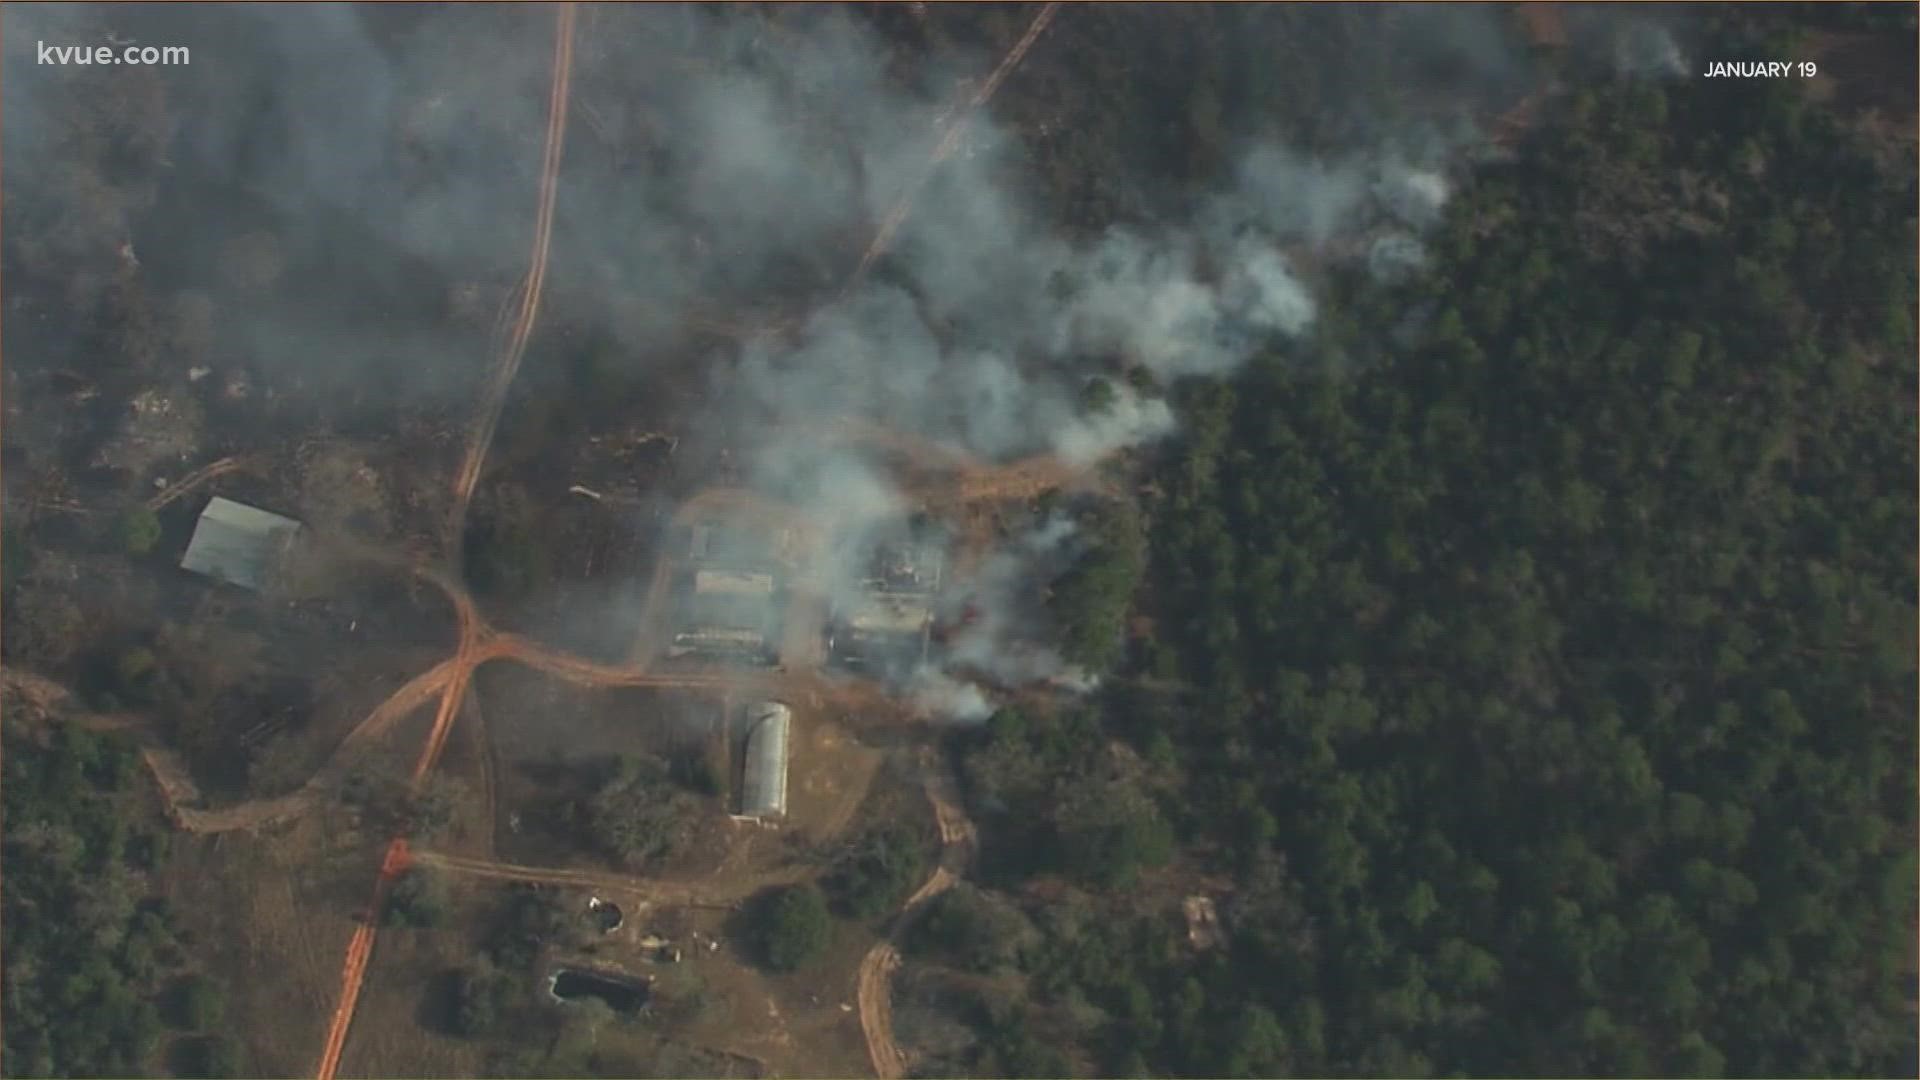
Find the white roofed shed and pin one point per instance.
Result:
(237, 543)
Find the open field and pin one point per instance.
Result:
(270, 914)
(290, 852)
(397, 1031)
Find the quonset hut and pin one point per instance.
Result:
(763, 789)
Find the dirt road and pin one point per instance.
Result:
(194, 479)
(183, 797)
(874, 987)
(359, 951)
(876, 1011)
(478, 643)
(507, 364)
(177, 788)
(471, 629)
(655, 891)
(949, 142)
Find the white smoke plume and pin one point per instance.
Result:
(942, 695)
(998, 612)
(718, 161)
(1642, 49)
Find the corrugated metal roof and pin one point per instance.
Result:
(237, 543)
(891, 613)
(732, 583)
(764, 787)
(725, 611)
(908, 567)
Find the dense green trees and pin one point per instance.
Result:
(1089, 602)
(635, 813)
(1516, 635)
(1063, 798)
(387, 803)
(971, 930)
(418, 899)
(88, 953)
(482, 996)
(1542, 670)
(794, 927)
(877, 870)
(196, 1004)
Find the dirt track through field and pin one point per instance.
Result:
(360, 949)
(654, 891)
(479, 643)
(194, 479)
(507, 365)
(874, 987)
(949, 142)
(182, 795)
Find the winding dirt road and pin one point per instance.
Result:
(360, 949)
(949, 142)
(183, 797)
(874, 989)
(479, 643)
(508, 363)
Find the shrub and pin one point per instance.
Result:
(197, 1004)
(878, 871)
(214, 1057)
(418, 899)
(796, 928)
(971, 930)
(139, 530)
(137, 674)
(482, 996)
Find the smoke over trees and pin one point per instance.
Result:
(1524, 592)
(732, 160)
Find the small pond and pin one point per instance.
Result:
(606, 915)
(623, 994)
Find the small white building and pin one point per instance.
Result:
(764, 785)
(238, 544)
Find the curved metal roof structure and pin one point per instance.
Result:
(764, 788)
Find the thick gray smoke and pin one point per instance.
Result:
(998, 598)
(720, 160)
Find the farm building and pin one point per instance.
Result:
(728, 612)
(238, 544)
(718, 545)
(888, 625)
(764, 787)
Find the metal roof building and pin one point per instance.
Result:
(237, 543)
(889, 624)
(764, 788)
(728, 612)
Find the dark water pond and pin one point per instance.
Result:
(624, 995)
